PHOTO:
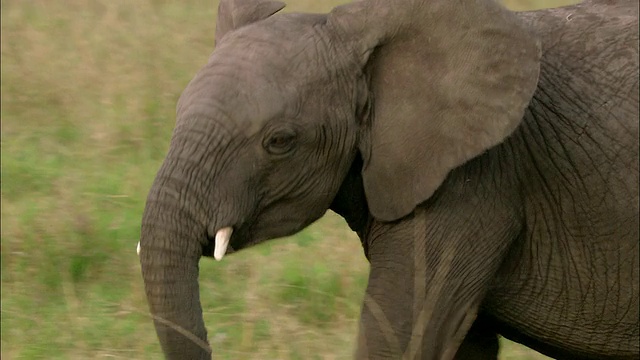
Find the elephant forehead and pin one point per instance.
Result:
(241, 100)
(282, 48)
(256, 74)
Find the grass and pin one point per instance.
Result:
(88, 97)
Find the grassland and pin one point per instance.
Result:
(88, 96)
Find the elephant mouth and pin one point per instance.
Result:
(209, 250)
(226, 241)
(231, 239)
(219, 245)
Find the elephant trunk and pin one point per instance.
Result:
(171, 244)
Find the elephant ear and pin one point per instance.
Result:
(233, 14)
(448, 80)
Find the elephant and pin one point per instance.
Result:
(487, 160)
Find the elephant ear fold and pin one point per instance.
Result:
(233, 14)
(448, 80)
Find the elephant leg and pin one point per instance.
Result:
(480, 343)
(429, 274)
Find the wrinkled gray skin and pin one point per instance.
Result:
(487, 160)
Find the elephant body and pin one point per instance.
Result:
(579, 192)
(550, 192)
(490, 170)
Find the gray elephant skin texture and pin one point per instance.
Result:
(488, 161)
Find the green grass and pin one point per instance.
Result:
(88, 100)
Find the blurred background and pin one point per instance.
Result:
(88, 101)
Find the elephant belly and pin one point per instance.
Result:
(570, 299)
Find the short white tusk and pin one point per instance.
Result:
(138, 248)
(222, 241)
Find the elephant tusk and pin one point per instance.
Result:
(138, 248)
(222, 241)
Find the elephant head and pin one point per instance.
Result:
(366, 108)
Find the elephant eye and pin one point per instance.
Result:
(280, 142)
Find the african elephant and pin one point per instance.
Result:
(488, 161)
